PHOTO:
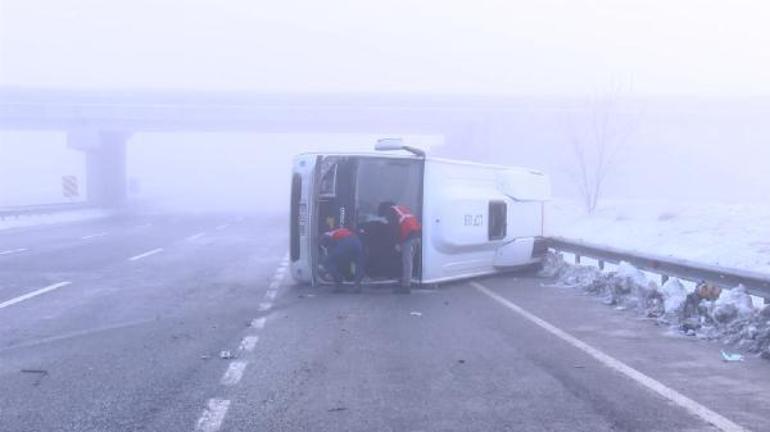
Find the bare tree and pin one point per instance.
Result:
(596, 144)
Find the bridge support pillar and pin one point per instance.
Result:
(105, 165)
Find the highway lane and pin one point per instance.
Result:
(132, 338)
(134, 345)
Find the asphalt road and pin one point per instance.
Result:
(133, 342)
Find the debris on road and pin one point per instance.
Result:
(205, 357)
(414, 313)
(729, 357)
(337, 409)
(708, 312)
(226, 355)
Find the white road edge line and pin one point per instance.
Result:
(36, 293)
(249, 343)
(270, 294)
(265, 306)
(258, 323)
(670, 394)
(213, 415)
(12, 251)
(234, 373)
(196, 236)
(146, 254)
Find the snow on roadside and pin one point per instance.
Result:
(52, 218)
(729, 235)
(727, 315)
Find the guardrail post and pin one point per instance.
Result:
(663, 279)
(577, 259)
(601, 265)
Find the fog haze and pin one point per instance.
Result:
(690, 77)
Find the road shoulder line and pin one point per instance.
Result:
(655, 386)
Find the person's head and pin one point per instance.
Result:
(384, 206)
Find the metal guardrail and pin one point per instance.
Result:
(16, 212)
(757, 284)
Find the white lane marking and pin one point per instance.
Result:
(234, 373)
(91, 236)
(146, 254)
(213, 415)
(270, 294)
(265, 306)
(258, 323)
(35, 293)
(248, 343)
(196, 236)
(13, 251)
(274, 285)
(670, 394)
(222, 227)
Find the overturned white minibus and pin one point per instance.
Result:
(477, 219)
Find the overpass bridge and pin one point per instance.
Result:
(100, 123)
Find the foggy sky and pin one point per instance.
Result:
(518, 47)
(651, 50)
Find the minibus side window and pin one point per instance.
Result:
(498, 220)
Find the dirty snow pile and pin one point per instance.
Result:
(727, 315)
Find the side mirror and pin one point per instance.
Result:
(388, 144)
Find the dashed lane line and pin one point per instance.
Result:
(32, 294)
(13, 251)
(234, 373)
(248, 343)
(258, 323)
(146, 254)
(689, 405)
(196, 236)
(213, 416)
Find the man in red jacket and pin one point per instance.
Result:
(343, 248)
(406, 229)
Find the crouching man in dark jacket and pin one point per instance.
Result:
(344, 248)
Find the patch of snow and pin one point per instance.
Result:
(674, 296)
(726, 234)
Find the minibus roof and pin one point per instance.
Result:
(427, 158)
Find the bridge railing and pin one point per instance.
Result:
(17, 212)
(757, 284)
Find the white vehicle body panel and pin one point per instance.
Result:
(455, 217)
